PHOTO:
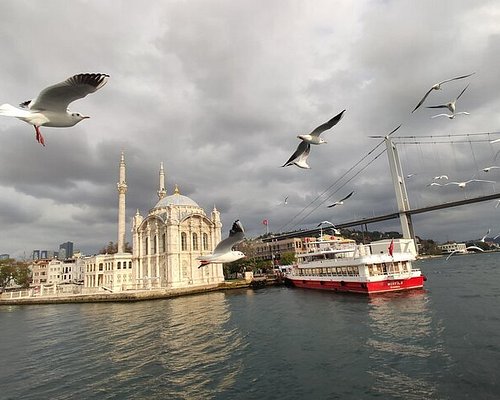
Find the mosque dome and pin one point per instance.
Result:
(176, 199)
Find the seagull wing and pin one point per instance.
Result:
(438, 106)
(57, 97)
(236, 235)
(454, 79)
(349, 195)
(462, 92)
(423, 99)
(442, 115)
(301, 154)
(327, 125)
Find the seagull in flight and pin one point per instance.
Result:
(440, 177)
(299, 157)
(463, 184)
(488, 169)
(434, 184)
(341, 201)
(451, 116)
(50, 108)
(437, 86)
(222, 252)
(451, 105)
(495, 141)
(484, 237)
(498, 204)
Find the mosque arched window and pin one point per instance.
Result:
(183, 241)
(154, 245)
(195, 241)
(205, 241)
(163, 243)
(147, 246)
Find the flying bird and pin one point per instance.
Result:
(451, 116)
(451, 105)
(460, 251)
(434, 184)
(498, 204)
(299, 157)
(484, 237)
(440, 177)
(488, 169)
(495, 141)
(463, 184)
(341, 201)
(437, 86)
(223, 252)
(50, 108)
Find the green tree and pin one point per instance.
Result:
(287, 258)
(112, 248)
(15, 271)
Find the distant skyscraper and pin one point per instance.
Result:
(36, 254)
(68, 250)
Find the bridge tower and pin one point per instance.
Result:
(400, 189)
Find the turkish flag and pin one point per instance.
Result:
(391, 247)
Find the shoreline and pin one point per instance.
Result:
(138, 295)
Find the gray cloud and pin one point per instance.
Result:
(219, 90)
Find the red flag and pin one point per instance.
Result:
(391, 247)
(265, 222)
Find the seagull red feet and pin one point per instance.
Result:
(39, 137)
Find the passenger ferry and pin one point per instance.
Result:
(343, 266)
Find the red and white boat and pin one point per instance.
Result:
(343, 266)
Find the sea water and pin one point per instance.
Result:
(442, 342)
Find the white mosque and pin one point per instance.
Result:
(165, 245)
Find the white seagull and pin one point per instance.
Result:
(341, 201)
(463, 184)
(488, 169)
(299, 157)
(451, 116)
(495, 141)
(437, 86)
(223, 252)
(451, 105)
(434, 184)
(498, 204)
(50, 108)
(484, 237)
(440, 177)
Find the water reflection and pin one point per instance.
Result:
(404, 340)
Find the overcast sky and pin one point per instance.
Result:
(219, 91)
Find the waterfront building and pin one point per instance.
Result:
(273, 250)
(166, 243)
(168, 240)
(54, 271)
(447, 248)
(39, 272)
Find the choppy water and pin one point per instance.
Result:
(272, 343)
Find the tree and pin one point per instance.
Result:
(287, 258)
(14, 271)
(112, 248)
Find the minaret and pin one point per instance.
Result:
(161, 189)
(122, 189)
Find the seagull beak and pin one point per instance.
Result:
(85, 116)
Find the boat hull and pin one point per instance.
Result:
(373, 287)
